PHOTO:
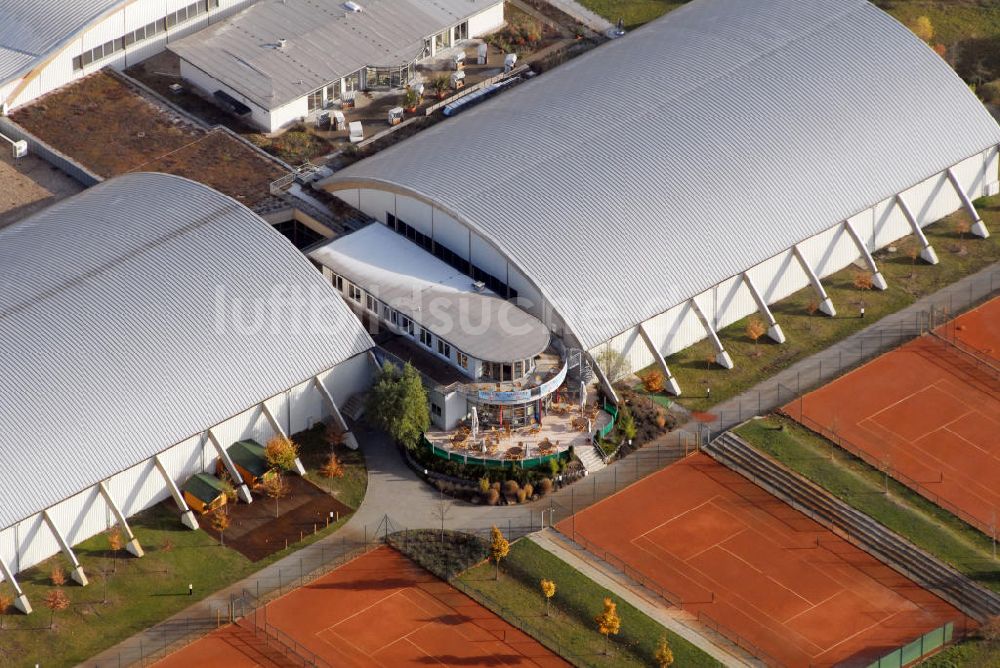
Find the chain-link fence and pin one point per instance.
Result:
(889, 333)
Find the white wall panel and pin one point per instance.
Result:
(487, 258)
(778, 277)
(451, 234)
(350, 196)
(36, 542)
(293, 112)
(8, 548)
(81, 516)
(208, 85)
(732, 301)
(486, 21)
(413, 212)
(379, 202)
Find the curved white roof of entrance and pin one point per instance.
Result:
(434, 295)
(656, 166)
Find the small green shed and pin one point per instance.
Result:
(204, 493)
(248, 457)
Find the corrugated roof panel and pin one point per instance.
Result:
(693, 148)
(31, 30)
(138, 313)
(324, 42)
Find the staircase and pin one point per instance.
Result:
(590, 459)
(890, 548)
(354, 407)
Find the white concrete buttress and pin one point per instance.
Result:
(722, 358)
(276, 426)
(133, 543)
(927, 253)
(825, 303)
(20, 600)
(672, 386)
(241, 486)
(349, 439)
(978, 226)
(773, 328)
(77, 573)
(878, 281)
(187, 515)
(601, 376)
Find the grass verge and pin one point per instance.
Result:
(863, 487)
(314, 450)
(959, 254)
(569, 628)
(127, 595)
(444, 553)
(633, 12)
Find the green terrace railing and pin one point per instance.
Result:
(919, 648)
(611, 410)
(529, 463)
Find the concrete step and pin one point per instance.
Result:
(354, 407)
(591, 460)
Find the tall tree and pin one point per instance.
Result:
(548, 591)
(275, 487)
(755, 330)
(397, 404)
(115, 545)
(220, 522)
(664, 655)
(55, 601)
(922, 28)
(5, 602)
(608, 622)
(499, 548)
(281, 452)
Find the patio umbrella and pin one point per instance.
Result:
(475, 423)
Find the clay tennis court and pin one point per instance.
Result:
(729, 550)
(378, 610)
(928, 410)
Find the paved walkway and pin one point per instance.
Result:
(395, 491)
(671, 617)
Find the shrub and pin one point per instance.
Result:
(332, 468)
(554, 466)
(496, 486)
(812, 307)
(484, 484)
(281, 452)
(493, 496)
(862, 280)
(545, 486)
(989, 92)
(661, 419)
(653, 381)
(521, 496)
(510, 489)
(58, 576)
(528, 489)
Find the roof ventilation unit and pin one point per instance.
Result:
(478, 286)
(352, 6)
(281, 43)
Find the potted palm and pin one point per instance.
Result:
(411, 100)
(441, 85)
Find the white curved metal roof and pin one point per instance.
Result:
(658, 165)
(138, 313)
(32, 29)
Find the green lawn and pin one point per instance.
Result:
(314, 450)
(145, 591)
(141, 593)
(634, 12)
(807, 334)
(570, 627)
(861, 486)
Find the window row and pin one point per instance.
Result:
(398, 320)
(145, 32)
(450, 257)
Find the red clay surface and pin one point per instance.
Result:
(378, 610)
(729, 550)
(928, 411)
